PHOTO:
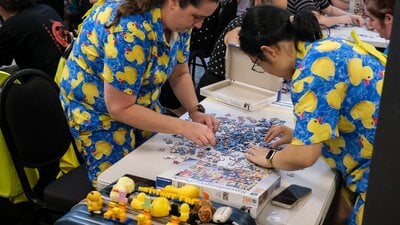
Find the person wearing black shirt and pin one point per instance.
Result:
(31, 34)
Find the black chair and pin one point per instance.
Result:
(37, 135)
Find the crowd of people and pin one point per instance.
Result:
(126, 50)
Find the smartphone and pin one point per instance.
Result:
(290, 196)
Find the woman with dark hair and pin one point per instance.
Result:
(111, 83)
(335, 88)
(31, 34)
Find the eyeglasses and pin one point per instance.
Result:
(256, 67)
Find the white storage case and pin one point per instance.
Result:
(243, 87)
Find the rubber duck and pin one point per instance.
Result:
(185, 212)
(161, 207)
(137, 203)
(189, 191)
(94, 202)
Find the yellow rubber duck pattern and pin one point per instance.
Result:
(336, 90)
(134, 58)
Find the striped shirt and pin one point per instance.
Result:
(295, 6)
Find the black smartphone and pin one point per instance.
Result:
(290, 196)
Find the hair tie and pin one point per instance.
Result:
(291, 19)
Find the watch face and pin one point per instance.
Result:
(201, 108)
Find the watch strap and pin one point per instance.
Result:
(270, 156)
(198, 107)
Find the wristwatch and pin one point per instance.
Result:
(270, 156)
(198, 107)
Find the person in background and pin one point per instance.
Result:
(31, 34)
(335, 106)
(111, 83)
(351, 6)
(215, 70)
(242, 6)
(57, 5)
(327, 14)
(75, 10)
(380, 17)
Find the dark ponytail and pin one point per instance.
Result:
(268, 25)
(305, 26)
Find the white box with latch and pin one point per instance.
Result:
(243, 87)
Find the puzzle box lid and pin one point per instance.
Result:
(243, 87)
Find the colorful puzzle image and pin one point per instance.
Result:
(237, 179)
(234, 137)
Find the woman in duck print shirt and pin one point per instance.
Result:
(110, 85)
(336, 89)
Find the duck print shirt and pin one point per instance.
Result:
(336, 90)
(135, 58)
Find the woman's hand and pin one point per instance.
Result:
(257, 155)
(199, 133)
(277, 130)
(205, 119)
(232, 36)
(357, 20)
(344, 19)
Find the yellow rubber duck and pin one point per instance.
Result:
(302, 49)
(364, 111)
(104, 16)
(331, 162)
(358, 72)
(379, 84)
(119, 136)
(307, 103)
(336, 96)
(345, 125)
(82, 63)
(92, 37)
(144, 99)
(323, 67)
(349, 162)
(107, 74)
(143, 220)
(78, 80)
(163, 60)
(94, 202)
(336, 144)
(128, 37)
(188, 190)
(366, 150)
(80, 117)
(159, 77)
(102, 148)
(180, 56)
(90, 90)
(137, 202)
(133, 27)
(105, 121)
(184, 209)
(90, 51)
(321, 131)
(136, 54)
(328, 45)
(129, 75)
(298, 86)
(160, 207)
(109, 48)
(85, 138)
